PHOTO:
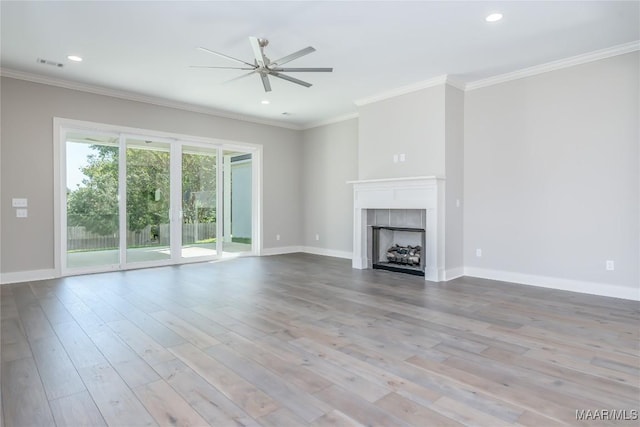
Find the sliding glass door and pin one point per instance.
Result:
(92, 231)
(199, 202)
(136, 201)
(237, 202)
(148, 200)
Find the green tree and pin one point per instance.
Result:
(94, 205)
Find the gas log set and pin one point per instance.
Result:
(406, 255)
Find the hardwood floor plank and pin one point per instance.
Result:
(35, 323)
(166, 406)
(187, 331)
(299, 376)
(208, 401)
(358, 408)
(281, 417)
(14, 340)
(24, 401)
(300, 403)
(249, 398)
(117, 403)
(335, 418)
(154, 329)
(133, 369)
(76, 410)
(414, 413)
(55, 310)
(80, 349)
(141, 343)
(57, 373)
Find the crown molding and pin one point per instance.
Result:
(556, 65)
(132, 96)
(458, 84)
(439, 80)
(330, 121)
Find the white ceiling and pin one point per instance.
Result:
(374, 46)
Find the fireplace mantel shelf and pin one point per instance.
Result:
(410, 178)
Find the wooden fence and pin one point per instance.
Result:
(79, 239)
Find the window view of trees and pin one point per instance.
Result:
(93, 204)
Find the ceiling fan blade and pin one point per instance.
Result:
(224, 68)
(239, 77)
(303, 70)
(225, 56)
(257, 51)
(295, 55)
(265, 82)
(291, 79)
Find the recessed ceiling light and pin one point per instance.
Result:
(265, 101)
(74, 58)
(493, 17)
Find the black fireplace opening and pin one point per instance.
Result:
(399, 249)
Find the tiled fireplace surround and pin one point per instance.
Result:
(404, 202)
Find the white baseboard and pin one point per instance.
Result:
(327, 252)
(281, 250)
(592, 288)
(27, 276)
(453, 273)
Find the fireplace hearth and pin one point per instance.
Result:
(398, 249)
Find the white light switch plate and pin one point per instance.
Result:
(19, 203)
(21, 213)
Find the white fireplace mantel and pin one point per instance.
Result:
(424, 192)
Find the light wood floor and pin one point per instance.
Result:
(305, 340)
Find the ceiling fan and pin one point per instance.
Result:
(265, 67)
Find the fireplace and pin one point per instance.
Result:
(399, 249)
(402, 203)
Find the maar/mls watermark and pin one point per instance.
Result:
(607, 414)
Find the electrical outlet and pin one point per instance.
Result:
(21, 213)
(19, 203)
(479, 253)
(277, 237)
(317, 237)
(402, 157)
(610, 265)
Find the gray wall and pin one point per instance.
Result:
(551, 173)
(413, 124)
(454, 184)
(330, 159)
(27, 162)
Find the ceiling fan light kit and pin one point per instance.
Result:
(264, 67)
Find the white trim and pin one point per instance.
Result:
(593, 288)
(436, 81)
(556, 65)
(458, 84)
(398, 180)
(281, 250)
(331, 121)
(453, 273)
(327, 252)
(27, 276)
(137, 97)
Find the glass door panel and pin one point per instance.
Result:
(199, 210)
(148, 200)
(237, 201)
(92, 229)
